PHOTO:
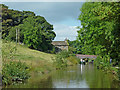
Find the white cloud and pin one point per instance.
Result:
(42, 0)
(65, 31)
(59, 0)
(54, 12)
(63, 16)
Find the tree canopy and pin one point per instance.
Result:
(38, 33)
(75, 47)
(11, 18)
(100, 32)
(34, 30)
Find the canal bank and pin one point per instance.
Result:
(79, 76)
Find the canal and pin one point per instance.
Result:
(80, 76)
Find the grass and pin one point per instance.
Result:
(38, 61)
(24, 53)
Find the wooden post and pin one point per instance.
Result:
(16, 35)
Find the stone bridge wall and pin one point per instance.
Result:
(86, 56)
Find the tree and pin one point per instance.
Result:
(74, 47)
(34, 31)
(100, 29)
(12, 33)
(12, 18)
(38, 33)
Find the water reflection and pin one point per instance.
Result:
(81, 76)
(71, 84)
(71, 78)
(81, 68)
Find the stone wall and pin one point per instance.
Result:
(63, 47)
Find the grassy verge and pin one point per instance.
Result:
(21, 62)
(36, 61)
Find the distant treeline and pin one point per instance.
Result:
(32, 30)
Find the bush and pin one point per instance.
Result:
(60, 60)
(64, 54)
(8, 50)
(65, 58)
(74, 60)
(14, 72)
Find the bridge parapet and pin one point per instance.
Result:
(86, 56)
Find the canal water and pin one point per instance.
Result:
(81, 76)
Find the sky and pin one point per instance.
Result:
(62, 15)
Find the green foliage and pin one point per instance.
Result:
(63, 54)
(34, 31)
(100, 32)
(13, 72)
(60, 60)
(38, 33)
(119, 72)
(75, 47)
(12, 33)
(53, 50)
(8, 50)
(65, 58)
(11, 18)
(73, 59)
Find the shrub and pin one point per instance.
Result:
(64, 54)
(65, 58)
(60, 60)
(74, 60)
(14, 72)
(8, 50)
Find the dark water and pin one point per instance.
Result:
(81, 76)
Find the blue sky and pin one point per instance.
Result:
(62, 15)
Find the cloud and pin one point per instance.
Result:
(62, 15)
(54, 12)
(43, 0)
(65, 31)
(59, 0)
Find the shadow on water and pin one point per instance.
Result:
(81, 76)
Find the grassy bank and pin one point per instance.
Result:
(19, 61)
(35, 60)
(38, 61)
